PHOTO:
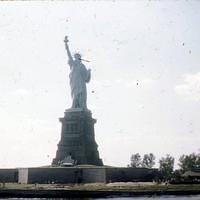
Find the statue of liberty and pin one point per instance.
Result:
(79, 76)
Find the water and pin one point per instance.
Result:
(191, 197)
(196, 197)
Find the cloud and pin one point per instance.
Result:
(191, 87)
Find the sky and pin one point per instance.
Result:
(145, 86)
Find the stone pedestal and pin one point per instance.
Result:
(77, 138)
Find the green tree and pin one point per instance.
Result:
(177, 175)
(148, 160)
(188, 162)
(166, 166)
(135, 160)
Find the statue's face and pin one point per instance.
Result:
(77, 56)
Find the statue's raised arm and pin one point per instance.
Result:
(70, 59)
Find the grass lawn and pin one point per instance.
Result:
(103, 187)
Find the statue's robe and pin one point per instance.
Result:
(79, 76)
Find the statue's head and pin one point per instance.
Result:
(77, 56)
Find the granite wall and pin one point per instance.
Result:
(77, 175)
(8, 175)
(118, 174)
(94, 175)
(90, 175)
(23, 175)
(53, 175)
